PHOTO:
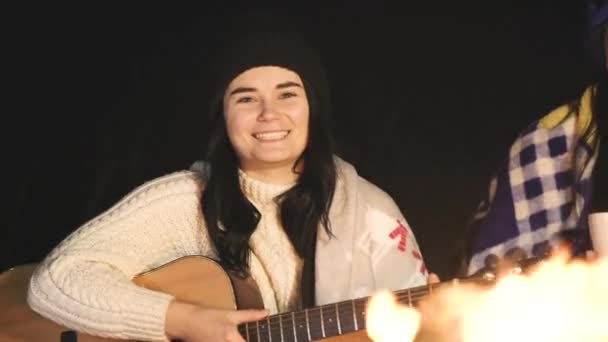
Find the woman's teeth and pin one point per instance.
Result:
(276, 135)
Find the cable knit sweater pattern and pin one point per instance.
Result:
(85, 282)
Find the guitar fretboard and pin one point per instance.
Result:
(322, 321)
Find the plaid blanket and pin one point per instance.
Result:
(542, 188)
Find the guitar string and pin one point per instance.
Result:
(287, 326)
(415, 294)
(403, 296)
(314, 314)
(277, 322)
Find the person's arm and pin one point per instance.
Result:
(85, 282)
(395, 255)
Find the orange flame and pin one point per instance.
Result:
(558, 301)
(388, 321)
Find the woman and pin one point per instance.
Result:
(275, 204)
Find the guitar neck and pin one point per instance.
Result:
(322, 321)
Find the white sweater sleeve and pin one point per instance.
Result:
(85, 282)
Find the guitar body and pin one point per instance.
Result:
(193, 279)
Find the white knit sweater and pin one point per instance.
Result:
(85, 282)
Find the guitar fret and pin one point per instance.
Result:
(257, 326)
(247, 330)
(268, 328)
(293, 322)
(281, 328)
(307, 324)
(276, 328)
(360, 312)
(355, 315)
(338, 319)
(330, 320)
(409, 297)
(322, 322)
(302, 327)
(345, 322)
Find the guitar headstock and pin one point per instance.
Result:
(514, 261)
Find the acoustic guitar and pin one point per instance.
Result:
(202, 281)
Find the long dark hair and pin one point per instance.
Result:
(231, 218)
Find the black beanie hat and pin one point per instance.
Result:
(269, 47)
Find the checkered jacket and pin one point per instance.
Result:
(540, 190)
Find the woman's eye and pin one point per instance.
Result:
(245, 99)
(287, 95)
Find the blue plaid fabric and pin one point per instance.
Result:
(540, 190)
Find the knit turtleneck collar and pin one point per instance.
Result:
(260, 192)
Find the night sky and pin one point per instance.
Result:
(427, 99)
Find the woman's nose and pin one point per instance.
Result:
(269, 111)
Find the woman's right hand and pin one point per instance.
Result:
(191, 323)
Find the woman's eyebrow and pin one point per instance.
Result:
(242, 90)
(288, 84)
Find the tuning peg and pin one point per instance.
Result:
(515, 255)
(491, 261)
(542, 249)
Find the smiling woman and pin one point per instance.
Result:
(276, 208)
(266, 112)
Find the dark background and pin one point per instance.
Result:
(427, 99)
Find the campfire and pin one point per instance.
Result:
(558, 300)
